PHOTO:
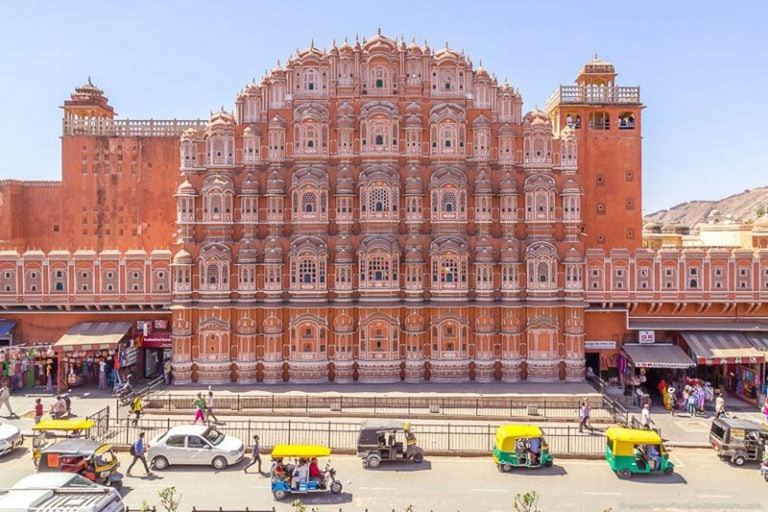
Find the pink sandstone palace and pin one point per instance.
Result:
(374, 212)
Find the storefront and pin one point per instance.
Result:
(728, 360)
(86, 345)
(653, 366)
(6, 332)
(26, 366)
(760, 341)
(153, 339)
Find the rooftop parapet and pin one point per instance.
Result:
(594, 95)
(103, 127)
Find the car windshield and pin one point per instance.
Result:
(213, 436)
(79, 481)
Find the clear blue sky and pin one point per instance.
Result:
(702, 67)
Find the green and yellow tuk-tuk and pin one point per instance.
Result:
(66, 429)
(631, 451)
(291, 471)
(93, 460)
(520, 446)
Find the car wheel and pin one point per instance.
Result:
(624, 473)
(506, 468)
(336, 487)
(374, 461)
(219, 463)
(160, 463)
(279, 494)
(739, 460)
(669, 471)
(418, 458)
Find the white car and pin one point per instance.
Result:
(193, 444)
(62, 492)
(10, 438)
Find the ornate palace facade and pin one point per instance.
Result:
(375, 212)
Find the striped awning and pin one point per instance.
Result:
(657, 355)
(721, 347)
(759, 340)
(93, 336)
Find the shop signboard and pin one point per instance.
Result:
(646, 337)
(600, 345)
(130, 356)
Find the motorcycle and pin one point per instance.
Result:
(764, 470)
(67, 397)
(125, 394)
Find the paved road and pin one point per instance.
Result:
(450, 485)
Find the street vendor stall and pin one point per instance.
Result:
(25, 366)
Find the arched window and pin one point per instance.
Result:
(307, 271)
(378, 199)
(213, 273)
(379, 140)
(542, 272)
(449, 201)
(308, 202)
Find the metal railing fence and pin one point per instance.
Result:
(437, 438)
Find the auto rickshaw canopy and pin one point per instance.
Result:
(300, 450)
(623, 440)
(77, 448)
(64, 425)
(506, 435)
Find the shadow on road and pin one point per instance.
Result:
(320, 498)
(402, 467)
(674, 478)
(16, 454)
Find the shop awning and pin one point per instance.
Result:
(721, 347)
(5, 327)
(657, 355)
(694, 324)
(93, 336)
(759, 340)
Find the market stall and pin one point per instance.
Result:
(27, 366)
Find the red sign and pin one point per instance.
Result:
(157, 340)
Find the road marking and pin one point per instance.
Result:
(601, 493)
(489, 490)
(717, 496)
(378, 488)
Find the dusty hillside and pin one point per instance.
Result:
(741, 206)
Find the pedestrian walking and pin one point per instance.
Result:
(672, 392)
(765, 410)
(584, 416)
(167, 371)
(199, 405)
(48, 378)
(137, 408)
(5, 399)
(209, 408)
(102, 374)
(255, 455)
(692, 404)
(59, 408)
(137, 452)
(38, 410)
(719, 406)
(645, 417)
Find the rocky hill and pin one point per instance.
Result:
(747, 205)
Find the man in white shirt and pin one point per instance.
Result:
(719, 406)
(645, 417)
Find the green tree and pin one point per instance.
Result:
(760, 211)
(528, 502)
(169, 499)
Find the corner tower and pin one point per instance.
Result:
(607, 123)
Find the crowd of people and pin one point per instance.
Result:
(293, 474)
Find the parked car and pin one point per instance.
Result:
(10, 438)
(60, 492)
(195, 445)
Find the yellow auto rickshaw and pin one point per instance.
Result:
(53, 429)
(93, 460)
(629, 451)
(520, 446)
(291, 472)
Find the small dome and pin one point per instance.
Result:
(414, 252)
(250, 185)
(508, 185)
(671, 227)
(182, 258)
(483, 183)
(345, 185)
(536, 117)
(571, 187)
(273, 251)
(247, 252)
(186, 189)
(510, 250)
(413, 184)
(252, 131)
(344, 252)
(189, 135)
(652, 227)
(484, 250)
(221, 118)
(573, 256)
(761, 224)
(275, 184)
(480, 72)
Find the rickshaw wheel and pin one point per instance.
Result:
(418, 458)
(279, 494)
(669, 471)
(739, 460)
(549, 463)
(336, 487)
(117, 484)
(506, 468)
(624, 473)
(373, 461)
